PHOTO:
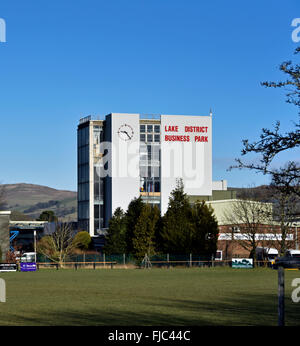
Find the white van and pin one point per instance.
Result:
(266, 253)
(28, 257)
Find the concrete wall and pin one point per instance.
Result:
(219, 185)
(225, 211)
(216, 195)
(188, 157)
(4, 232)
(125, 159)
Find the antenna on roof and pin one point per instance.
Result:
(210, 112)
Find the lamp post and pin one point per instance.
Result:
(296, 237)
(295, 224)
(34, 234)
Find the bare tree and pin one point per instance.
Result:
(58, 245)
(285, 212)
(272, 142)
(248, 220)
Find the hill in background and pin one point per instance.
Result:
(28, 201)
(261, 193)
(31, 200)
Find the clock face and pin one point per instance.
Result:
(125, 132)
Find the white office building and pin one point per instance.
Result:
(131, 155)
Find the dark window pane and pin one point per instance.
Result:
(157, 186)
(96, 211)
(149, 128)
(96, 225)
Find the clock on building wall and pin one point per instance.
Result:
(125, 132)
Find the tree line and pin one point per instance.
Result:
(184, 228)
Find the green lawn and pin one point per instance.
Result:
(206, 296)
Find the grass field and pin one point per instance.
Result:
(183, 297)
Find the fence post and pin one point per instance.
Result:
(111, 265)
(168, 260)
(104, 259)
(94, 265)
(280, 296)
(75, 265)
(124, 260)
(190, 260)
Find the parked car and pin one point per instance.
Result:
(293, 253)
(287, 262)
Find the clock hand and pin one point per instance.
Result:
(126, 133)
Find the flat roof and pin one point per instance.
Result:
(5, 212)
(28, 224)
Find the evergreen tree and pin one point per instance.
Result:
(177, 229)
(115, 238)
(133, 213)
(144, 233)
(206, 231)
(48, 215)
(159, 241)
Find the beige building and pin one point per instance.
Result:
(239, 220)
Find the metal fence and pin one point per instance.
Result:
(95, 261)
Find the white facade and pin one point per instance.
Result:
(125, 172)
(186, 152)
(127, 156)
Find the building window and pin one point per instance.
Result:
(156, 172)
(150, 184)
(142, 128)
(142, 137)
(156, 138)
(149, 138)
(149, 128)
(156, 185)
(157, 128)
(149, 152)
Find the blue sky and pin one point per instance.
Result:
(65, 59)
